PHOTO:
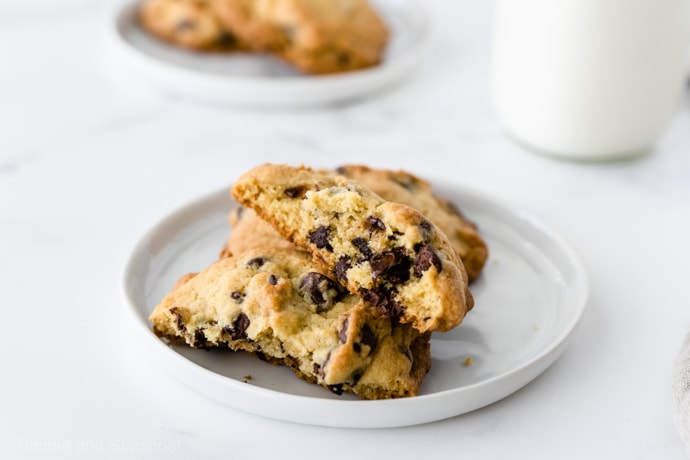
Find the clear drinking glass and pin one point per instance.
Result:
(589, 79)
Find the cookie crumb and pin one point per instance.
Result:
(468, 362)
(248, 378)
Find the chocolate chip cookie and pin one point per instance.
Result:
(398, 186)
(278, 304)
(188, 23)
(391, 255)
(403, 187)
(316, 36)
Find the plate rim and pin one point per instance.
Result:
(299, 91)
(346, 417)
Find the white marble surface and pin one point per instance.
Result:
(88, 164)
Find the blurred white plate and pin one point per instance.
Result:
(262, 81)
(528, 300)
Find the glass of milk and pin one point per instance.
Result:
(589, 79)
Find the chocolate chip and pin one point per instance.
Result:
(374, 223)
(337, 389)
(426, 230)
(400, 272)
(356, 375)
(237, 295)
(426, 257)
(272, 280)
(322, 290)
(363, 246)
(394, 264)
(383, 300)
(238, 331)
(368, 337)
(341, 268)
(342, 170)
(342, 333)
(380, 263)
(256, 262)
(343, 59)
(319, 237)
(226, 39)
(199, 340)
(241, 323)
(179, 321)
(294, 192)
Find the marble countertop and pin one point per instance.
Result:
(88, 164)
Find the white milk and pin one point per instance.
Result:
(589, 79)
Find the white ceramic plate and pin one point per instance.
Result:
(262, 81)
(528, 300)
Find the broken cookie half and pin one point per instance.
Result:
(278, 304)
(249, 231)
(388, 253)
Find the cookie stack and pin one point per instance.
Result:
(314, 36)
(339, 282)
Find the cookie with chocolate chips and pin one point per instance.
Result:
(389, 254)
(315, 36)
(250, 231)
(406, 188)
(188, 23)
(278, 304)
